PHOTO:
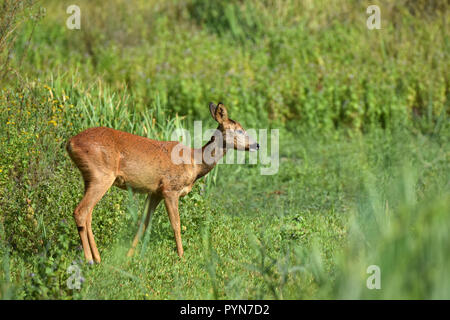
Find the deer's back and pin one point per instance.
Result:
(140, 163)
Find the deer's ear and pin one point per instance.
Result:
(212, 109)
(221, 113)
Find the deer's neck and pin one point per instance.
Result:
(211, 153)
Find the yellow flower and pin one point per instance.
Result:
(53, 122)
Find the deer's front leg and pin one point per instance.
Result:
(171, 202)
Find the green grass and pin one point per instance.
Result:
(309, 64)
(338, 204)
(337, 211)
(364, 176)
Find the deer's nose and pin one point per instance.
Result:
(253, 147)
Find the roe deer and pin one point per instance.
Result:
(109, 157)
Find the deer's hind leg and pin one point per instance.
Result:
(153, 202)
(94, 191)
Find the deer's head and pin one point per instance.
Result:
(233, 135)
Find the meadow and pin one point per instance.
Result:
(364, 147)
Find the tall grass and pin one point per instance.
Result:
(312, 64)
(343, 204)
(408, 242)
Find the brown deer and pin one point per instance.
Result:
(109, 157)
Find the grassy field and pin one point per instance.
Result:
(364, 149)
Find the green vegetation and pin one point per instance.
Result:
(364, 176)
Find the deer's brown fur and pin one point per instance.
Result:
(107, 157)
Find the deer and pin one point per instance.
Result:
(107, 157)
